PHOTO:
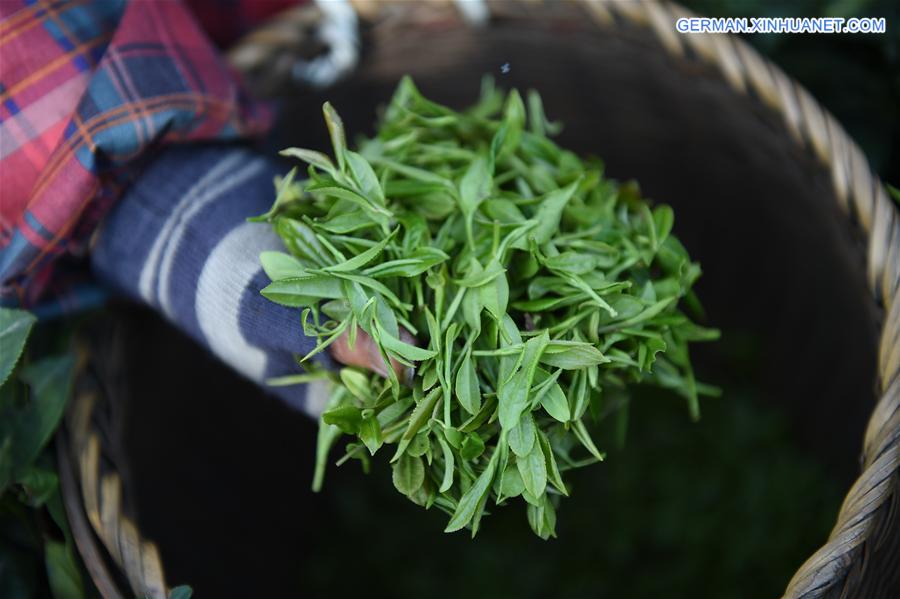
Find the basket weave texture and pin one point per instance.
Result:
(861, 557)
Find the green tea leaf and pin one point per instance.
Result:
(418, 174)
(549, 213)
(365, 177)
(409, 474)
(301, 241)
(447, 480)
(297, 291)
(325, 439)
(479, 276)
(495, 294)
(50, 380)
(574, 263)
(572, 355)
(511, 484)
(472, 499)
(356, 383)
(181, 592)
(467, 390)
(553, 473)
(512, 125)
(394, 411)
(555, 403)
(542, 518)
(537, 120)
(371, 284)
(279, 265)
(513, 396)
(534, 289)
(15, 325)
(417, 420)
(347, 222)
(317, 159)
(663, 219)
(521, 436)
(533, 470)
(403, 349)
(585, 437)
(420, 445)
(38, 483)
(370, 434)
(340, 193)
(475, 185)
(360, 260)
(420, 260)
(336, 131)
(645, 315)
(471, 447)
(62, 571)
(346, 418)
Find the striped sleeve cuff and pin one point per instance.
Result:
(179, 241)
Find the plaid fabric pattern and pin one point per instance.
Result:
(87, 90)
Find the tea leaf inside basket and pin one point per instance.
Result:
(535, 289)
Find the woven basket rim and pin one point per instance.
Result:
(837, 567)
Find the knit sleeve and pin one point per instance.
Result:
(180, 242)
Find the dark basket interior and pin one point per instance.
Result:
(219, 473)
(784, 268)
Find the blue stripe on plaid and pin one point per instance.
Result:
(130, 84)
(10, 104)
(13, 257)
(70, 24)
(84, 20)
(36, 226)
(180, 242)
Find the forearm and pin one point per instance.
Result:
(179, 241)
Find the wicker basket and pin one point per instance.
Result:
(704, 123)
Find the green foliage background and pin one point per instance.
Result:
(656, 524)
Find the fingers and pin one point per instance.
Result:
(365, 354)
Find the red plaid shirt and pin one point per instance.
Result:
(87, 89)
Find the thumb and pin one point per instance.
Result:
(365, 354)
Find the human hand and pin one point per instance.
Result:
(179, 241)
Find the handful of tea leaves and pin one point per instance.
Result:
(537, 291)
